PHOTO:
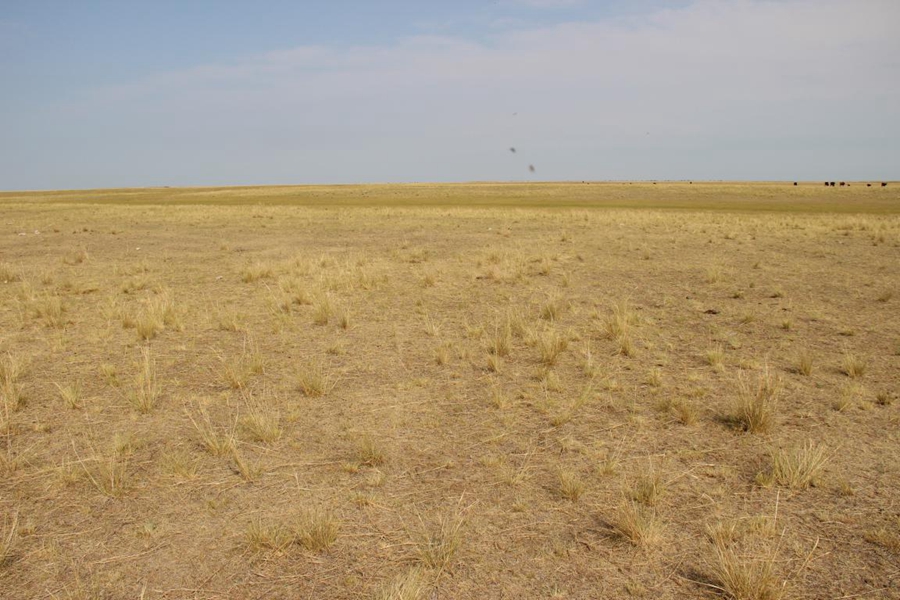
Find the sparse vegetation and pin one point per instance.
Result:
(566, 373)
(756, 408)
(313, 380)
(70, 394)
(9, 535)
(804, 362)
(798, 467)
(439, 543)
(743, 578)
(638, 523)
(854, 366)
(571, 486)
(316, 529)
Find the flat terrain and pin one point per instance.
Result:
(588, 390)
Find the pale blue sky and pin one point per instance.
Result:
(106, 94)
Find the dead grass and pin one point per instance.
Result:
(854, 366)
(9, 537)
(108, 473)
(439, 543)
(70, 394)
(261, 421)
(147, 389)
(638, 523)
(449, 334)
(647, 487)
(369, 452)
(804, 362)
(214, 440)
(571, 485)
(263, 536)
(743, 578)
(314, 381)
(799, 467)
(316, 529)
(243, 466)
(11, 395)
(756, 407)
(551, 344)
(409, 585)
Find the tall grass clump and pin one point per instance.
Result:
(410, 585)
(146, 390)
(756, 407)
(316, 530)
(11, 396)
(798, 467)
(313, 380)
(743, 578)
(854, 366)
(638, 523)
(551, 344)
(439, 544)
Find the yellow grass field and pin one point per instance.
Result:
(401, 392)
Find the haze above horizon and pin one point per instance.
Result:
(104, 94)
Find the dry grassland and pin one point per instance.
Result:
(473, 391)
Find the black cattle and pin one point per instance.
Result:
(843, 184)
(868, 185)
(832, 184)
(826, 184)
(795, 183)
(883, 184)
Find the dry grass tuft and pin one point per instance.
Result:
(314, 381)
(248, 471)
(799, 467)
(647, 488)
(210, 438)
(11, 397)
(553, 307)
(756, 407)
(715, 357)
(9, 537)
(369, 452)
(618, 323)
(439, 544)
(410, 585)
(684, 411)
(262, 536)
(146, 391)
(180, 464)
(500, 342)
(262, 423)
(744, 578)
(256, 271)
(551, 344)
(109, 474)
(571, 486)
(323, 310)
(854, 366)
(316, 530)
(50, 309)
(803, 362)
(236, 373)
(8, 273)
(637, 523)
(70, 394)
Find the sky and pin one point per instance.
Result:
(119, 93)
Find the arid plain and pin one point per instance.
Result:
(576, 390)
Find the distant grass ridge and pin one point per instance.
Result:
(809, 197)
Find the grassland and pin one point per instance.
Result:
(452, 391)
